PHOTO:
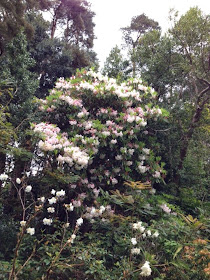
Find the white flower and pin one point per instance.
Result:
(28, 188)
(47, 222)
(73, 236)
(102, 208)
(106, 133)
(133, 241)
(18, 181)
(144, 235)
(131, 151)
(165, 208)
(3, 177)
(135, 251)
(139, 227)
(52, 200)
(146, 270)
(118, 157)
(156, 174)
(79, 222)
(146, 151)
(80, 115)
(113, 141)
(42, 199)
(130, 119)
(156, 234)
(53, 192)
(114, 181)
(22, 223)
(30, 231)
(152, 191)
(116, 170)
(69, 207)
(149, 232)
(51, 210)
(142, 168)
(93, 211)
(60, 193)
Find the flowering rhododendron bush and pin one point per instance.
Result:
(97, 129)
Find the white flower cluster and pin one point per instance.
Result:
(3, 177)
(74, 155)
(92, 212)
(125, 90)
(61, 83)
(30, 231)
(79, 222)
(60, 193)
(55, 141)
(140, 228)
(71, 101)
(146, 269)
(47, 221)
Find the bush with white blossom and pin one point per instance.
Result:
(98, 129)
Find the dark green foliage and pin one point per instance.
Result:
(12, 18)
(115, 65)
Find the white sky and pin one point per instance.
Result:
(111, 15)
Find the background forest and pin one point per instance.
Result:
(103, 174)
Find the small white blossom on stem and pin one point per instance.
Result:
(79, 222)
(135, 251)
(47, 222)
(69, 207)
(51, 210)
(73, 237)
(30, 231)
(22, 223)
(53, 192)
(60, 193)
(28, 188)
(18, 181)
(52, 200)
(41, 199)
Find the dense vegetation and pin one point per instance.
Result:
(102, 176)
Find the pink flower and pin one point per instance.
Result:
(165, 208)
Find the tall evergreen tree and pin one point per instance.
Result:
(12, 18)
(139, 26)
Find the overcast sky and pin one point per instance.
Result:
(111, 15)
